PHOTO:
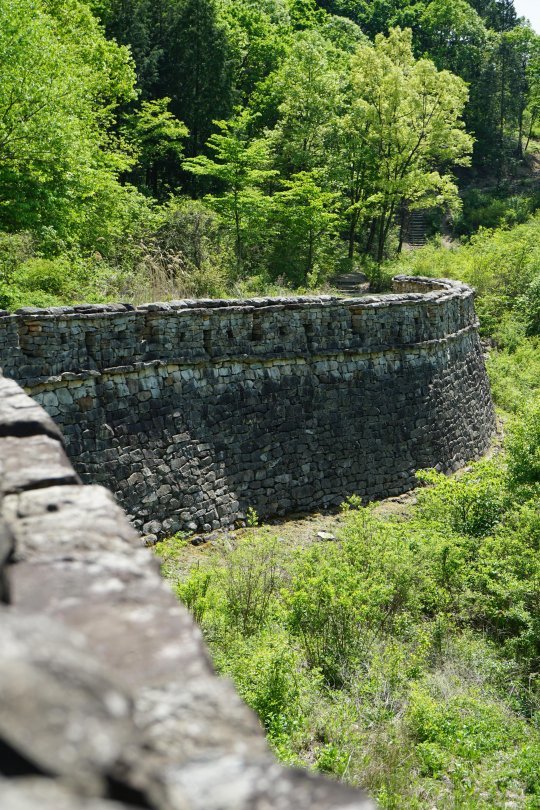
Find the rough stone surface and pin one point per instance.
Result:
(46, 794)
(108, 700)
(21, 416)
(194, 411)
(7, 546)
(32, 461)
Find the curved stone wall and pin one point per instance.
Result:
(194, 411)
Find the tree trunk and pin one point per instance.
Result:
(384, 230)
(371, 236)
(520, 131)
(310, 253)
(381, 241)
(529, 135)
(503, 106)
(402, 226)
(238, 235)
(352, 233)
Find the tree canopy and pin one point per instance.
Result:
(62, 83)
(309, 130)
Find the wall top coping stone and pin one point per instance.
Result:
(427, 289)
(38, 344)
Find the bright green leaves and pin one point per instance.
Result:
(243, 167)
(304, 223)
(258, 37)
(308, 83)
(524, 448)
(470, 504)
(401, 656)
(239, 162)
(158, 141)
(466, 726)
(61, 84)
(404, 125)
(344, 598)
(353, 140)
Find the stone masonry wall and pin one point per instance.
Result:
(194, 411)
(108, 700)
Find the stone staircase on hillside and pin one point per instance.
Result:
(416, 235)
(350, 285)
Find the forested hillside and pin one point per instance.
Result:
(157, 148)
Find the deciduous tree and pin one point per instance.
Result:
(406, 116)
(61, 84)
(242, 167)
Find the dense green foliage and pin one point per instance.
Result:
(404, 657)
(503, 265)
(305, 132)
(203, 147)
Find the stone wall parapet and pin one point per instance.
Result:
(108, 699)
(40, 343)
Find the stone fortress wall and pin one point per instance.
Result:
(194, 411)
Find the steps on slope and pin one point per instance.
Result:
(416, 233)
(350, 285)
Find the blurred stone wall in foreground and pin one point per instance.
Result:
(107, 697)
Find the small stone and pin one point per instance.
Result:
(151, 528)
(149, 540)
(326, 536)
(198, 541)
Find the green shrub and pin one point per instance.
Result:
(15, 248)
(170, 552)
(332, 759)
(268, 674)
(184, 253)
(193, 592)
(528, 764)
(464, 725)
(326, 612)
(404, 655)
(515, 374)
(60, 281)
(482, 209)
(471, 504)
(524, 447)
(531, 307)
(342, 597)
(251, 582)
(504, 589)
